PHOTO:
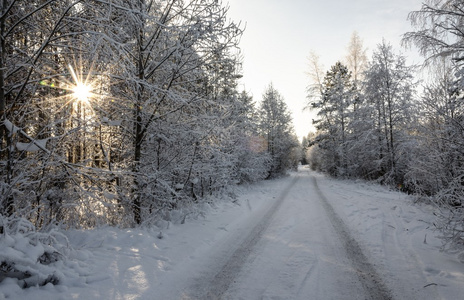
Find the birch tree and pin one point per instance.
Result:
(356, 57)
(389, 90)
(438, 35)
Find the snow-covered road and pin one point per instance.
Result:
(305, 236)
(299, 248)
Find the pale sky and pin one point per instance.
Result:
(280, 34)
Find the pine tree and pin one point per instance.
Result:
(275, 126)
(333, 110)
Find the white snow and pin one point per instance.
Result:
(166, 263)
(10, 127)
(400, 237)
(35, 146)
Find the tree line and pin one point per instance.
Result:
(158, 125)
(376, 121)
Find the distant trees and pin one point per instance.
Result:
(253, 159)
(274, 125)
(361, 133)
(356, 58)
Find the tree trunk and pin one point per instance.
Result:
(5, 138)
(138, 130)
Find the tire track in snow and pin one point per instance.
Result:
(215, 288)
(369, 278)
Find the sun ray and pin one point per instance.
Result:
(82, 90)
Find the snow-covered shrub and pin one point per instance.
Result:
(451, 225)
(450, 220)
(253, 166)
(29, 256)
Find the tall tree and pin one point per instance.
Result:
(316, 77)
(275, 126)
(171, 53)
(389, 90)
(356, 57)
(334, 112)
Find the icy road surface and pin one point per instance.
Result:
(301, 237)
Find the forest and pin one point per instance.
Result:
(118, 112)
(128, 113)
(401, 125)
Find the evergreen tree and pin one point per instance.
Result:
(334, 110)
(275, 126)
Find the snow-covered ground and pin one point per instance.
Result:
(301, 237)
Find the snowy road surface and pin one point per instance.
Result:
(298, 249)
(301, 237)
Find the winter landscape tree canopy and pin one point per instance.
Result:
(123, 112)
(118, 112)
(376, 121)
(132, 114)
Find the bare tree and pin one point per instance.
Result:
(356, 58)
(316, 77)
(438, 29)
